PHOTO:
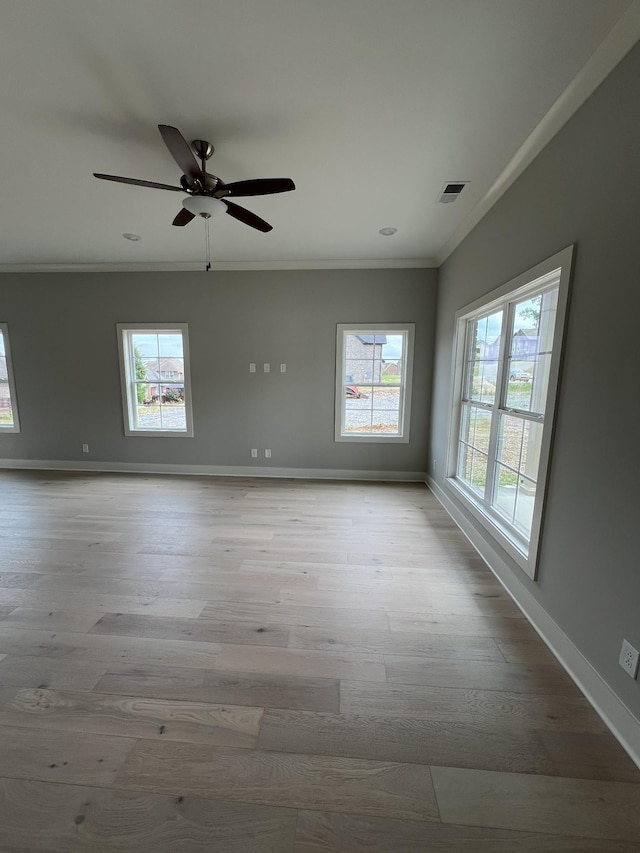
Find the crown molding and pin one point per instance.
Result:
(223, 266)
(620, 39)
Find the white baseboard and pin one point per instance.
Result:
(213, 470)
(623, 724)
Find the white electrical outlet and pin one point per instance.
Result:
(267, 454)
(266, 367)
(629, 659)
(85, 448)
(254, 452)
(252, 367)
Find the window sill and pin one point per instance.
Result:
(492, 525)
(373, 439)
(129, 433)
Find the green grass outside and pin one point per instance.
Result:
(477, 476)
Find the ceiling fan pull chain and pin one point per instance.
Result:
(208, 242)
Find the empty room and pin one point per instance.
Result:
(318, 413)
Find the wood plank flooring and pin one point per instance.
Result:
(243, 666)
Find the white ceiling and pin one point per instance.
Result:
(369, 105)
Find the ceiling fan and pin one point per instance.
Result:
(207, 194)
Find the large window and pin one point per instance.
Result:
(156, 389)
(373, 382)
(8, 411)
(507, 360)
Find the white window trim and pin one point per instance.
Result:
(405, 392)
(15, 426)
(127, 388)
(525, 558)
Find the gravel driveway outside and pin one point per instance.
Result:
(162, 416)
(377, 408)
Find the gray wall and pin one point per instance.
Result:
(63, 337)
(583, 188)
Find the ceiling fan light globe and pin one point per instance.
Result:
(203, 205)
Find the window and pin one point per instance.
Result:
(373, 382)
(156, 389)
(507, 360)
(8, 411)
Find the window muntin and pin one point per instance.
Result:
(504, 390)
(482, 353)
(508, 353)
(156, 385)
(8, 410)
(373, 382)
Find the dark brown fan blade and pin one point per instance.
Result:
(260, 186)
(137, 183)
(244, 215)
(181, 151)
(184, 217)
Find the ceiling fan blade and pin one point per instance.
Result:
(181, 151)
(184, 217)
(244, 215)
(259, 186)
(136, 182)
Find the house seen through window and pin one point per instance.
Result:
(155, 377)
(373, 370)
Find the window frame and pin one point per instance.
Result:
(124, 332)
(529, 283)
(15, 426)
(344, 329)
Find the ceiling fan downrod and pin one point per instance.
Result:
(203, 150)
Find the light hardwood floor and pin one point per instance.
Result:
(242, 666)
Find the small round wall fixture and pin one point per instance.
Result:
(388, 232)
(133, 237)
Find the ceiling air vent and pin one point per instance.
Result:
(451, 191)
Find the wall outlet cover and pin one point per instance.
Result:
(628, 659)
